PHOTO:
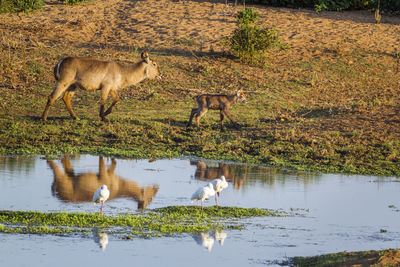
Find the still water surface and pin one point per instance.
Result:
(342, 212)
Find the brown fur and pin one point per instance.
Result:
(79, 187)
(216, 102)
(92, 74)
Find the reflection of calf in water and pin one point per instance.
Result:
(72, 187)
(235, 174)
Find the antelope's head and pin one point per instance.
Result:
(152, 69)
(241, 98)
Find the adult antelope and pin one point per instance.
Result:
(216, 102)
(92, 74)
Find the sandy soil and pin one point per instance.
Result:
(159, 25)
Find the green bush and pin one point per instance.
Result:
(248, 41)
(73, 2)
(246, 17)
(14, 6)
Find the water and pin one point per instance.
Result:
(342, 212)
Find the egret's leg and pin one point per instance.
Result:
(101, 209)
(216, 200)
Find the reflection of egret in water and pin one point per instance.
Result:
(100, 238)
(220, 236)
(207, 241)
(203, 239)
(79, 187)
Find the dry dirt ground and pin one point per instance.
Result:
(158, 24)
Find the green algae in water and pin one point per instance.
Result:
(221, 212)
(153, 223)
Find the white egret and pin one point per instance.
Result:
(203, 193)
(100, 196)
(219, 184)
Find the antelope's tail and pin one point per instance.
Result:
(57, 70)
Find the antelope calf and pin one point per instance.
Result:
(92, 74)
(216, 102)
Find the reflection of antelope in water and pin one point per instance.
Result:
(234, 174)
(72, 187)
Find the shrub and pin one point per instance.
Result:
(248, 42)
(13, 6)
(246, 17)
(73, 2)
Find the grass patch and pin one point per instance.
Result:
(152, 223)
(220, 212)
(390, 257)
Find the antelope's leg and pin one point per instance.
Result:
(67, 100)
(58, 91)
(228, 114)
(194, 111)
(221, 115)
(104, 94)
(200, 113)
(115, 97)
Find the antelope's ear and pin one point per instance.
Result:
(145, 56)
(239, 92)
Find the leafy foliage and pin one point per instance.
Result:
(246, 17)
(14, 6)
(248, 41)
(73, 2)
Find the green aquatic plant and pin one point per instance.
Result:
(152, 223)
(221, 212)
